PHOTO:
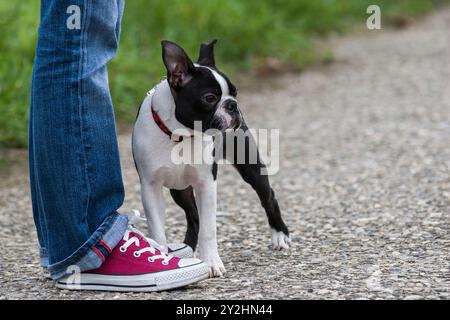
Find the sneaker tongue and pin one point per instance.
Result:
(140, 237)
(135, 233)
(143, 242)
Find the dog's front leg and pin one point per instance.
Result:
(206, 199)
(155, 211)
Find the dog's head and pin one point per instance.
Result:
(201, 92)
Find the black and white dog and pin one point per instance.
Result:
(194, 93)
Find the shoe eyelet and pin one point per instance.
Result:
(150, 260)
(136, 254)
(165, 263)
(122, 249)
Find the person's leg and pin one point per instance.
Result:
(75, 173)
(38, 219)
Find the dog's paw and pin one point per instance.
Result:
(280, 240)
(215, 264)
(216, 271)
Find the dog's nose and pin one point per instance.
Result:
(231, 105)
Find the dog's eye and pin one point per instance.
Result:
(210, 98)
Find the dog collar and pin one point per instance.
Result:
(164, 128)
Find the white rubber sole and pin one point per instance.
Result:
(150, 282)
(182, 253)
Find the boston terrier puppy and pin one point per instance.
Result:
(195, 94)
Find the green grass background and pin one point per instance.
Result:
(249, 31)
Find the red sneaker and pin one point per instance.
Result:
(136, 265)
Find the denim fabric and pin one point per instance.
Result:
(75, 176)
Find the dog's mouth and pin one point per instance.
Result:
(226, 121)
(237, 123)
(232, 125)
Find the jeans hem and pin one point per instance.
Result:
(111, 231)
(43, 257)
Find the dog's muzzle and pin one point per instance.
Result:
(227, 116)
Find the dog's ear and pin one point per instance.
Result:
(206, 57)
(178, 64)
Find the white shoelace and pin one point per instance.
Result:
(129, 239)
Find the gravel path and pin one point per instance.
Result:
(364, 184)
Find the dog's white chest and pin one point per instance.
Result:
(162, 162)
(177, 177)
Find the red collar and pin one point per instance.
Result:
(164, 128)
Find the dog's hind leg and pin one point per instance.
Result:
(186, 200)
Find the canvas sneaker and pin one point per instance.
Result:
(137, 265)
(179, 250)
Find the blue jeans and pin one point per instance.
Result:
(75, 175)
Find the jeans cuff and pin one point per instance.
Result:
(43, 256)
(111, 231)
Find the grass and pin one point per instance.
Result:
(249, 32)
(4, 163)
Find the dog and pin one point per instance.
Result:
(195, 93)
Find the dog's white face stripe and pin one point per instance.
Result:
(222, 83)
